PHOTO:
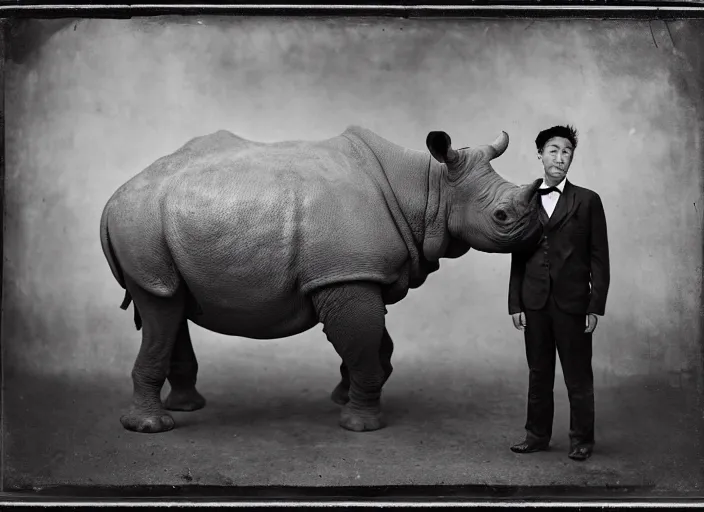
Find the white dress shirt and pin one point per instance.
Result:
(550, 200)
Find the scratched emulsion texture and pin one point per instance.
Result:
(102, 99)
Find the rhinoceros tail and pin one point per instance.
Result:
(115, 266)
(125, 304)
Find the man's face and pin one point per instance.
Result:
(557, 158)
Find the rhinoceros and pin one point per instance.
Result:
(266, 240)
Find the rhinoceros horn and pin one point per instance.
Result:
(529, 191)
(497, 148)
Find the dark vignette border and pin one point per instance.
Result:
(477, 495)
(472, 8)
(27, 25)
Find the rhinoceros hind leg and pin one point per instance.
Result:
(162, 318)
(353, 320)
(183, 374)
(340, 395)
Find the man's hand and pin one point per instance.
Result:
(519, 320)
(591, 323)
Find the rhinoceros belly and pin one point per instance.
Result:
(257, 318)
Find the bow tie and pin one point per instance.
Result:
(543, 191)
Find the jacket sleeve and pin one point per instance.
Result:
(518, 266)
(600, 271)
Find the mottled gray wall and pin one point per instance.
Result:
(102, 99)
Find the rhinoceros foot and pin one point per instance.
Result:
(149, 423)
(360, 420)
(184, 400)
(341, 394)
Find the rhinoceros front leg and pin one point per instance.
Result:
(183, 374)
(340, 395)
(162, 319)
(353, 321)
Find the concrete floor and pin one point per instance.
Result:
(446, 427)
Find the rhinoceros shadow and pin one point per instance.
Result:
(415, 404)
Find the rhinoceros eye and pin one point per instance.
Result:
(500, 215)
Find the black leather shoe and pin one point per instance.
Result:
(529, 447)
(580, 453)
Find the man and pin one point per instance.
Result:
(556, 293)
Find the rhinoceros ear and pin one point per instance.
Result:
(440, 146)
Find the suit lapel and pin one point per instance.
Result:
(563, 208)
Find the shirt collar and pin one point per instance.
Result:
(560, 186)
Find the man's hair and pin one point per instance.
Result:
(568, 132)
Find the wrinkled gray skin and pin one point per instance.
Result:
(266, 240)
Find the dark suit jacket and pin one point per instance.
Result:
(572, 255)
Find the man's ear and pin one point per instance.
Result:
(440, 146)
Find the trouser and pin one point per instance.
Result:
(546, 330)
